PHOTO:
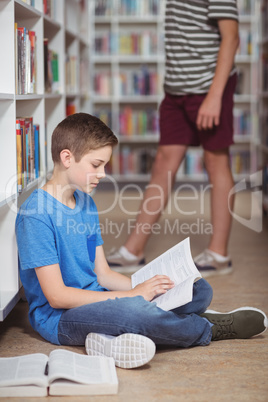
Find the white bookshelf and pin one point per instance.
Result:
(262, 140)
(67, 32)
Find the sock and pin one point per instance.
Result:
(127, 254)
(219, 257)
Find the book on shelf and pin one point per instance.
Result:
(50, 8)
(61, 373)
(178, 265)
(25, 60)
(51, 69)
(139, 8)
(19, 155)
(71, 67)
(70, 108)
(28, 154)
(138, 122)
(126, 43)
(138, 161)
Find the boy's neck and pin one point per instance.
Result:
(63, 192)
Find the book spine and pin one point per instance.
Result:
(19, 156)
(36, 151)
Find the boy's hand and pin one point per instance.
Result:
(153, 287)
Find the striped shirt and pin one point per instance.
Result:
(192, 41)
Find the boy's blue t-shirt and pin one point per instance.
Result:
(48, 232)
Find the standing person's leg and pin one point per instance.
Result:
(166, 164)
(216, 143)
(221, 179)
(175, 136)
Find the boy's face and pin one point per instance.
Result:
(86, 174)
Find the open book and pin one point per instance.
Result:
(62, 373)
(178, 265)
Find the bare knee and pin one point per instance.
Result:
(217, 162)
(168, 159)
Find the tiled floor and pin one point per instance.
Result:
(227, 370)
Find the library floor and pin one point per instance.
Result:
(234, 370)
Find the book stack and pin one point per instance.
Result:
(25, 60)
(28, 157)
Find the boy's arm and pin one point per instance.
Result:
(61, 296)
(210, 109)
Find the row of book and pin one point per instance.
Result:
(25, 60)
(264, 18)
(50, 8)
(138, 122)
(143, 122)
(144, 43)
(245, 42)
(104, 115)
(242, 122)
(51, 69)
(127, 83)
(138, 7)
(71, 66)
(240, 162)
(265, 185)
(244, 7)
(138, 161)
(28, 154)
(265, 71)
(127, 7)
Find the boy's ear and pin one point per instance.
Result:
(66, 157)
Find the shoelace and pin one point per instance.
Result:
(224, 329)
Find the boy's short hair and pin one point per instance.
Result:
(80, 133)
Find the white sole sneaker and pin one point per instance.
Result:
(265, 319)
(127, 350)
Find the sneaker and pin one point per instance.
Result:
(208, 264)
(242, 323)
(123, 261)
(128, 350)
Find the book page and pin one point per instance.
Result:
(23, 370)
(177, 296)
(176, 263)
(79, 368)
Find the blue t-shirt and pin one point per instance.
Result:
(48, 232)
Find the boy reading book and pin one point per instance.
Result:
(74, 297)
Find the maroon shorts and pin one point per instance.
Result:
(178, 116)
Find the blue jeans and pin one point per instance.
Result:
(181, 327)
